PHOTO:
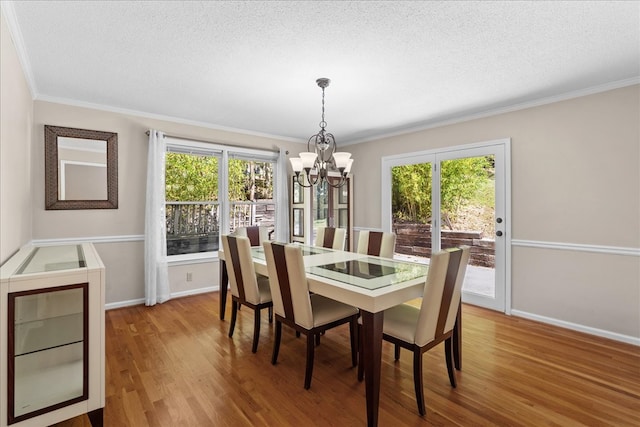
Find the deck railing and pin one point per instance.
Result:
(195, 226)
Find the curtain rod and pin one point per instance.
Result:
(184, 138)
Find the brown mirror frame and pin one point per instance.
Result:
(52, 201)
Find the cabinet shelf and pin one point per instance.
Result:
(39, 335)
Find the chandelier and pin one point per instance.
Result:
(318, 164)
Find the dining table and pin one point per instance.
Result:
(370, 283)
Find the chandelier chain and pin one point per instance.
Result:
(323, 124)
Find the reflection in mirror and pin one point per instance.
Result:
(81, 169)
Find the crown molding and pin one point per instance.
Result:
(502, 110)
(118, 110)
(8, 11)
(9, 14)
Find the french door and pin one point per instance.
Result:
(321, 205)
(456, 217)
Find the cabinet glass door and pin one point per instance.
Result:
(48, 349)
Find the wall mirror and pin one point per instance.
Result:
(81, 168)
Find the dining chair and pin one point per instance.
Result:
(331, 237)
(294, 306)
(420, 329)
(256, 234)
(376, 243)
(247, 287)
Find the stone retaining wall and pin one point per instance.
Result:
(415, 239)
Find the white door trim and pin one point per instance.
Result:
(431, 156)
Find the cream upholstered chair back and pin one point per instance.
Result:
(376, 243)
(441, 297)
(242, 274)
(288, 281)
(331, 237)
(256, 234)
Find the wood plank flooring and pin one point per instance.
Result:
(174, 365)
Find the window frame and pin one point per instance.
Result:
(224, 153)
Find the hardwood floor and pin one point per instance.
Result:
(174, 365)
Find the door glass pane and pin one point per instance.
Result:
(412, 211)
(320, 207)
(467, 208)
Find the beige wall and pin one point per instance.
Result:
(118, 231)
(16, 116)
(575, 181)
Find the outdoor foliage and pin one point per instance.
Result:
(195, 178)
(191, 178)
(463, 182)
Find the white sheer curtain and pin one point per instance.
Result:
(282, 198)
(156, 274)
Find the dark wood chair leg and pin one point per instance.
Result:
(297, 334)
(234, 316)
(310, 354)
(396, 352)
(417, 380)
(317, 339)
(457, 340)
(360, 354)
(96, 417)
(353, 335)
(448, 355)
(276, 342)
(224, 283)
(256, 330)
(270, 314)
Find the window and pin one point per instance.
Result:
(213, 189)
(251, 193)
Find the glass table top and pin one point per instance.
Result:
(364, 271)
(371, 273)
(258, 251)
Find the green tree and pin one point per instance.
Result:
(411, 192)
(192, 177)
(460, 181)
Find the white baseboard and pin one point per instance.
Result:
(194, 292)
(140, 301)
(577, 327)
(120, 304)
(518, 313)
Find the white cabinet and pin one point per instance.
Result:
(52, 349)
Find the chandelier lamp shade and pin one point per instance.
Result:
(324, 163)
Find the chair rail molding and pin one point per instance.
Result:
(90, 239)
(602, 249)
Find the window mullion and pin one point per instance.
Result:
(223, 193)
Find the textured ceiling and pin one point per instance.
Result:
(252, 65)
